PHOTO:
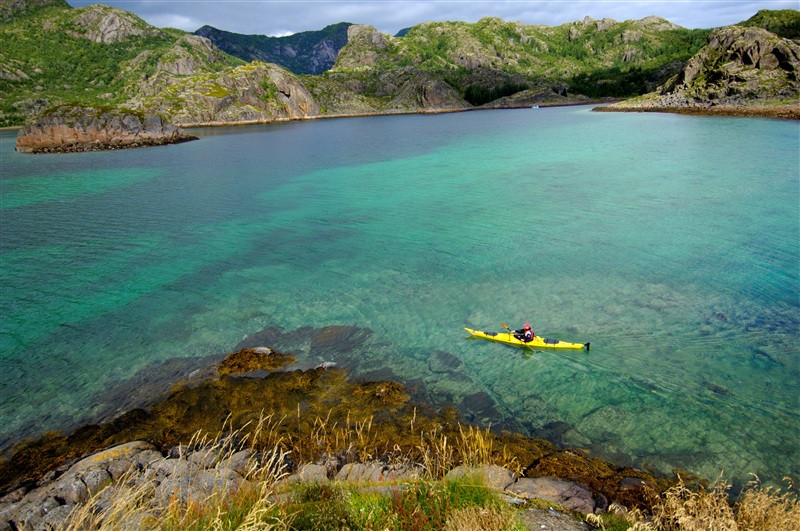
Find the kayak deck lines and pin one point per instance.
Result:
(537, 341)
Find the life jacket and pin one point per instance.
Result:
(528, 335)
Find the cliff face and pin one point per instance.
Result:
(738, 65)
(74, 128)
(253, 92)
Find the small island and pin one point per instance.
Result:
(74, 128)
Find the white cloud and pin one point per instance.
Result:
(173, 20)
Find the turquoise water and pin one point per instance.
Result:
(669, 242)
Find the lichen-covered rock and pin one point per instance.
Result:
(68, 128)
(376, 471)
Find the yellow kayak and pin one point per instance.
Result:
(536, 342)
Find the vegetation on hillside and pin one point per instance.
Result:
(491, 57)
(98, 55)
(783, 22)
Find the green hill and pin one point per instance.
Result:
(783, 23)
(96, 55)
(593, 57)
(53, 54)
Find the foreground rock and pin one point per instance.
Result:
(185, 475)
(67, 129)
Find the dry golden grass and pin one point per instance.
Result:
(759, 508)
(491, 518)
(130, 504)
(762, 507)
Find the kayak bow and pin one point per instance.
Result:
(536, 342)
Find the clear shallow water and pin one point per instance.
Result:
(669, 242)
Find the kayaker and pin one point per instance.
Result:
(525, 333)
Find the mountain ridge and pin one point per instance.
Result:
(103, 56)
(307, 52)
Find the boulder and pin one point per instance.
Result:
(310, 473)
(376, 471)
(493, 476)
(567, 494)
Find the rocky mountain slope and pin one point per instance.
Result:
(255, 92)
(307, 52)
(594, 57)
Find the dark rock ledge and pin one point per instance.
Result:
(67, 129)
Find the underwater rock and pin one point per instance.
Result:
(552, 431)
(384, 373)
(441, 361)
(387, 393)
(275, 336)
(150, 384)
(338, 339)
(479, 407)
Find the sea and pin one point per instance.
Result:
(670, 242)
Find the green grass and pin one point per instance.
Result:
(422, 504)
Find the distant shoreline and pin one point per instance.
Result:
(784, 112)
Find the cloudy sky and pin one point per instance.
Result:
(283, 17)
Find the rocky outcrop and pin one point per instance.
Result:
(257, 92)
(75, 128)
(104, 24)
(739, 67)
(739, 63)
(365, 45)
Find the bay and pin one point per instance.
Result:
(670, 242)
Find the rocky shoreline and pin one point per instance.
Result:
(373, 434)
(195, 473)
